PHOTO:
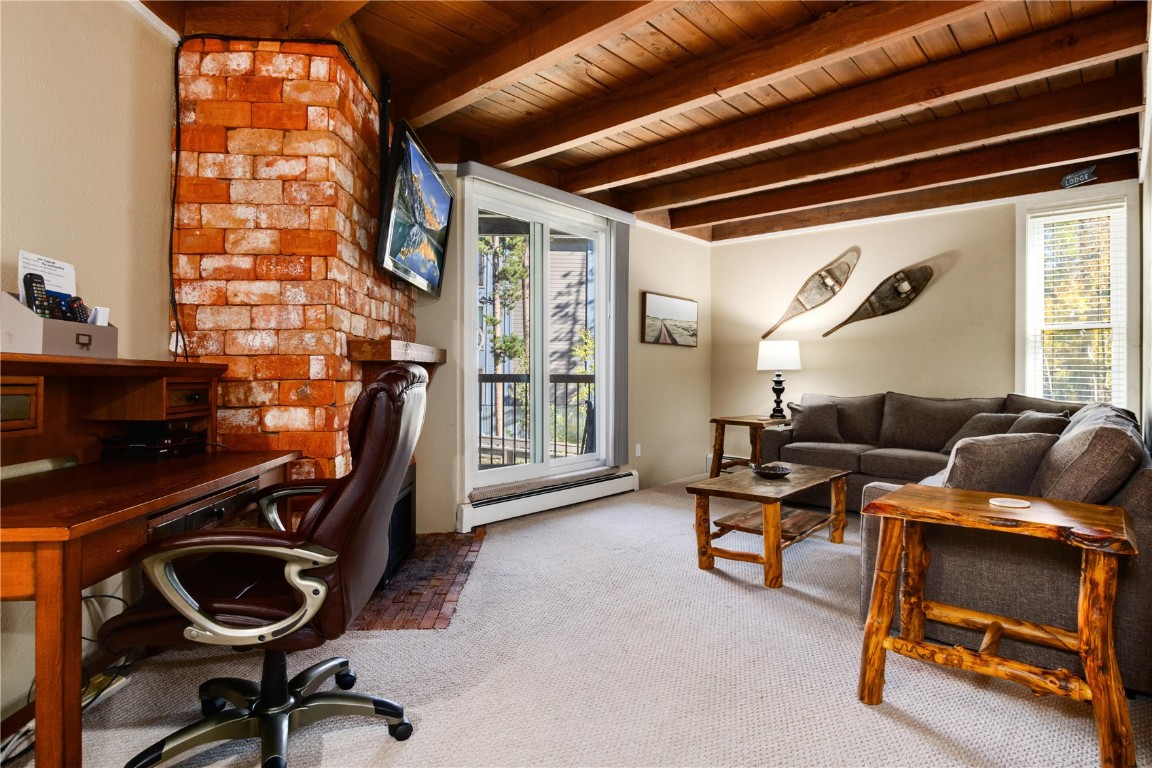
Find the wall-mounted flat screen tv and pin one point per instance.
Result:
(416, 212)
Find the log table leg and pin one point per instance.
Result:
(704, 557)
(839, 510)
(881, 607)
(717, 450)
(773, 549)
(916, 559)
(1109, 706)
(754, 439)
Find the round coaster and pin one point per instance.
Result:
(1014, 503)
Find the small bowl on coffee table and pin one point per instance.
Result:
(770, 471)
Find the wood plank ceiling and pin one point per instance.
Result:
(727, 118)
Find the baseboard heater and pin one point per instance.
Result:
(470, 515)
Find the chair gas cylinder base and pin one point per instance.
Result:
(1103, 534)
(273, 708)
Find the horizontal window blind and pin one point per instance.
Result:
(1077, 303)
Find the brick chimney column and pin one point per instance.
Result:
(274, 239)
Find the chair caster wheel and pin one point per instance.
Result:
(345, 680)
(400, 731)
(212, 706)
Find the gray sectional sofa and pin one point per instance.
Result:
(1099, 456)
(892, 437)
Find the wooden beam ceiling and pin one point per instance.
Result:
(1080, 145)
(850, 31)
(1054, 51)
(1052, 110)
(996, 188)
(730, 119)
(565, 31)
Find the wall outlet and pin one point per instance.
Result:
(637, 450)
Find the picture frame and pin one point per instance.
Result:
(672, 320)
(416, 214)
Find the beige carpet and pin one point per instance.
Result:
(587, 636)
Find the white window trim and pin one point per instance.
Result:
(1078, 196)
(478, 191)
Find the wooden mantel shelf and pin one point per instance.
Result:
(393, 351)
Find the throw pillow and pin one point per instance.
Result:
(980, 425)
(1035, 421)
(815, 423)
(997, 463)
(1089, 464)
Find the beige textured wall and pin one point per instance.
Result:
(669, 388)
(87, 93)
(440, 452)
(955, 340)
(85, 131)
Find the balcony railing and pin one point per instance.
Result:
(505, 417)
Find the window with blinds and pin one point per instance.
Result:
(1077, 302)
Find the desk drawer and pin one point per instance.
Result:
(111, 551)
(209, 511)
(21, 405)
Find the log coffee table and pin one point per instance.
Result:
(781, 527)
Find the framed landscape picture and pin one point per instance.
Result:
(668, 320)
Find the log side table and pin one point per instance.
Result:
(1102, 533)
(780, 526)
(755, 425)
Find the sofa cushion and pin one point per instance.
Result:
(815, 423)
(902, 463)
(926, 423)
(858, 417)
(1035, 421)
(1089, 463)
(997, 463)
(1015, 403)
(844, 456)
(980, 425)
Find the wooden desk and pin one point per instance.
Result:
(67, 529)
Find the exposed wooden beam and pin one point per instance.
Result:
(997, 188)
(1104, 36)
(562, 32)
(224, 17)
(1096, 101)
(348, 34)
(847, 32)
(171, 12)
(1083, 144)
(318, 19)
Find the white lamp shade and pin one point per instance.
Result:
(778, 356)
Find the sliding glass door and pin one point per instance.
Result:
(539, 337)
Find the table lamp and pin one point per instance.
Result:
(778, 356)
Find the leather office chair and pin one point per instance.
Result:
(282, 590)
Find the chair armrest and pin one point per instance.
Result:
(266, 498)
(298, 557)
(772, 439)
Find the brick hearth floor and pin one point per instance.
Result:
(424, 591)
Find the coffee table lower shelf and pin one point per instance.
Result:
(796, 524)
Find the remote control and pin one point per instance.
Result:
(35, 294)
(77, 311)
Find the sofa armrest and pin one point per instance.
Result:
(772, 439)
